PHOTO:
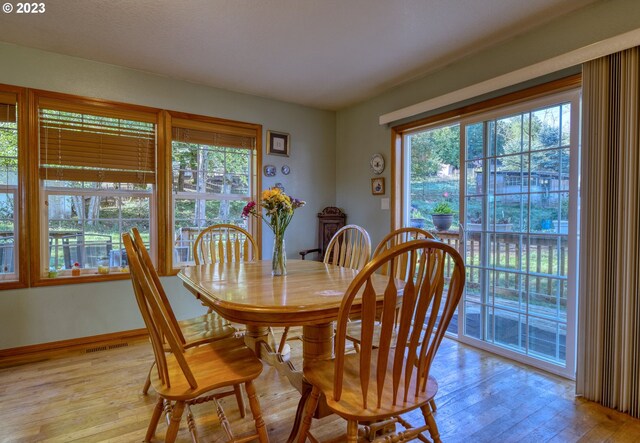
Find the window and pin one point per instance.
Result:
(214, 168)
(93, 169)
(97, 168)
(510, 173)
(8, 186)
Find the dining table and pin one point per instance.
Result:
(309, 295)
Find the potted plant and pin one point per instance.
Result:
(442, 216)
(417, 219)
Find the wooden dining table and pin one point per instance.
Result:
(308, 296)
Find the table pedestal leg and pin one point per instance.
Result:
(256, 335)
(317, 344)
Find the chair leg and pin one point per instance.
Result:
(309, 409)
(283, 339)
(155, 418)
(254, 405)
(431, 422)
(176, 417)
(147, 383)
(352, 431)
(240, 400)
(432, 403)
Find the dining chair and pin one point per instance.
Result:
(189, 375)
(190, 332)
(391, 240)
(224, 243)
(350, 247)
(390, 377)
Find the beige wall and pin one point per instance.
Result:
(359, 135)
(38, 315)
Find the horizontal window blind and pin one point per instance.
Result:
(8, 107)
(85, 143)
(212, 134)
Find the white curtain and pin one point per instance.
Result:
(608, 368)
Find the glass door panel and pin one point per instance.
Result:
(517, 193)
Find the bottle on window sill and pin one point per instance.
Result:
(103, 265)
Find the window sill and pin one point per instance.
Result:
(87, 278)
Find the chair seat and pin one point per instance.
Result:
(217, 364)
(205, 328)
(321, 373)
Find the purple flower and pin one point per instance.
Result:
(248, 209)
(296, 203)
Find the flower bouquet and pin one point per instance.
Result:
(279, 208)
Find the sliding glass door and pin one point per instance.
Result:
(516, 170)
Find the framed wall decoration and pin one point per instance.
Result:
(377, 186)
(278, 143)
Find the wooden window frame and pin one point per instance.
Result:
(30, 190)
(165, 178)
(20, 206)
(36, 189)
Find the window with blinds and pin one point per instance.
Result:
(213, 169)
(98, 167)
(8, 186)
(93, 145)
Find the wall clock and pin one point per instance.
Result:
(377, 163)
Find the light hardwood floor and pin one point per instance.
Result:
(77, 396)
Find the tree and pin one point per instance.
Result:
(432, 148)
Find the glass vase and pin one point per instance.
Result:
(279, 260)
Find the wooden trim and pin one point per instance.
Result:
(73, 343)
(397, 179)
(33, 194)
(563, 84)
(213, 120)
(87, 278)
(167, 223)
(163, 193)
(196, 124)
(24, 154)
(255, 225)
(108, 108)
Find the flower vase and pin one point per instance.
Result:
(279, 261)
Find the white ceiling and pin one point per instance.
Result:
(321, 53)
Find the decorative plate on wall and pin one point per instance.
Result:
(269, 170)
(285, 169)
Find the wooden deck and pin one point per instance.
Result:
(79, 396)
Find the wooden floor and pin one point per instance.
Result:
(95, 397)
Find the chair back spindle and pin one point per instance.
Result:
(224, 243)
(395, 238)
(350, 247)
